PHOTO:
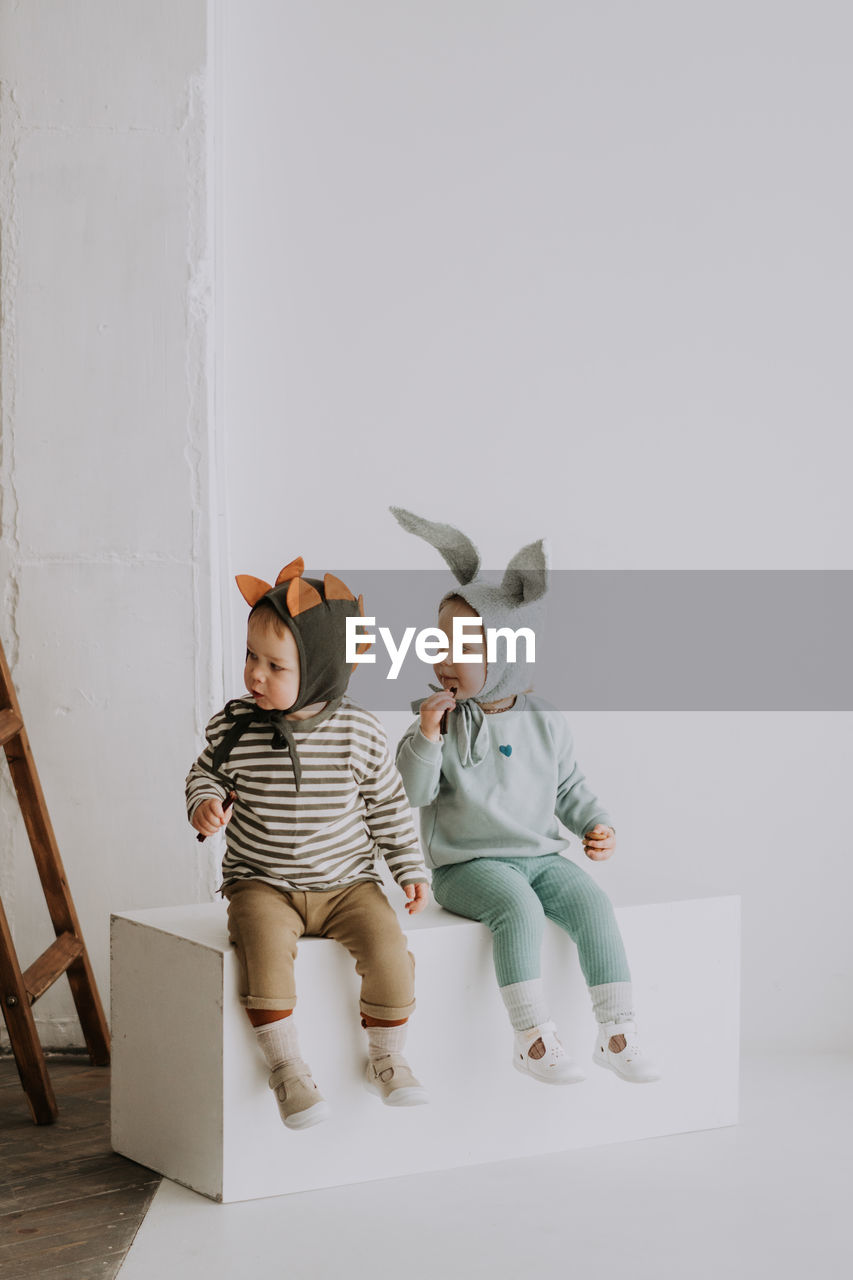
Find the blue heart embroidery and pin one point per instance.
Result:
(505, 751)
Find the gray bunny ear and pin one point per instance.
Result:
(526, 576)
(456, 547)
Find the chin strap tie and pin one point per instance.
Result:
(282, 734)
(472, 736)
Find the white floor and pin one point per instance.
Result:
(768, 1198)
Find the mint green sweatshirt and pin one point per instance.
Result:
(507, 806)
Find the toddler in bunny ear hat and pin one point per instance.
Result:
(492, 769)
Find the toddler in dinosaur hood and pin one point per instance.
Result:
(491, 789)
(316, 799)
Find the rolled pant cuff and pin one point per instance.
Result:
(283, 1003)
(386, 1012)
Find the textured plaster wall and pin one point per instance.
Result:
(105, 475)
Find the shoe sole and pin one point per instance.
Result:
(310, 1116)
(578, 1079)
(410, 1096)
(608, 1066)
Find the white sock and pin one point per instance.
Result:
(278, 1041)
(613, 1002)
(525, 1004)
(384, 1040)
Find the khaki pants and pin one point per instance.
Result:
(265, 924)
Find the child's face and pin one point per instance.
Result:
(272, 667)
(467, 678)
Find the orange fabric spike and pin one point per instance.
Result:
(301, 596)
(335, 589)
(251, 589)
(295, 569)
(365, 644)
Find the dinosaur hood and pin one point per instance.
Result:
(315, 611)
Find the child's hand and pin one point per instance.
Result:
(599, 843)
(210, 816)
(418, 897)
(432, 709)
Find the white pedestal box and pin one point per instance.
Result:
(189, 1085)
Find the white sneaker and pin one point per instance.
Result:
(539, 1053)
(618, 1049)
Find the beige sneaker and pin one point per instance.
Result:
(300, 1102)
(391, 1077)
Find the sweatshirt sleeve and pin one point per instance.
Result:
(577, 807)
(389, 819)
(419, 762)
(202, 783)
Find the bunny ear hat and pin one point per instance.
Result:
(516, 602)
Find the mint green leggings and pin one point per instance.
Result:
(514, 896)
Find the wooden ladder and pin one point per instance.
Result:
(19, 989)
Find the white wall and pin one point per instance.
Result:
(106, 486)
(580, 270)
(531, 267)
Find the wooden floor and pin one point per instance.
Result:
(69, 1206)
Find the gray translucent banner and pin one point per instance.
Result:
(648, 640)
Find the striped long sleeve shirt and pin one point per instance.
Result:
(351, 807)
